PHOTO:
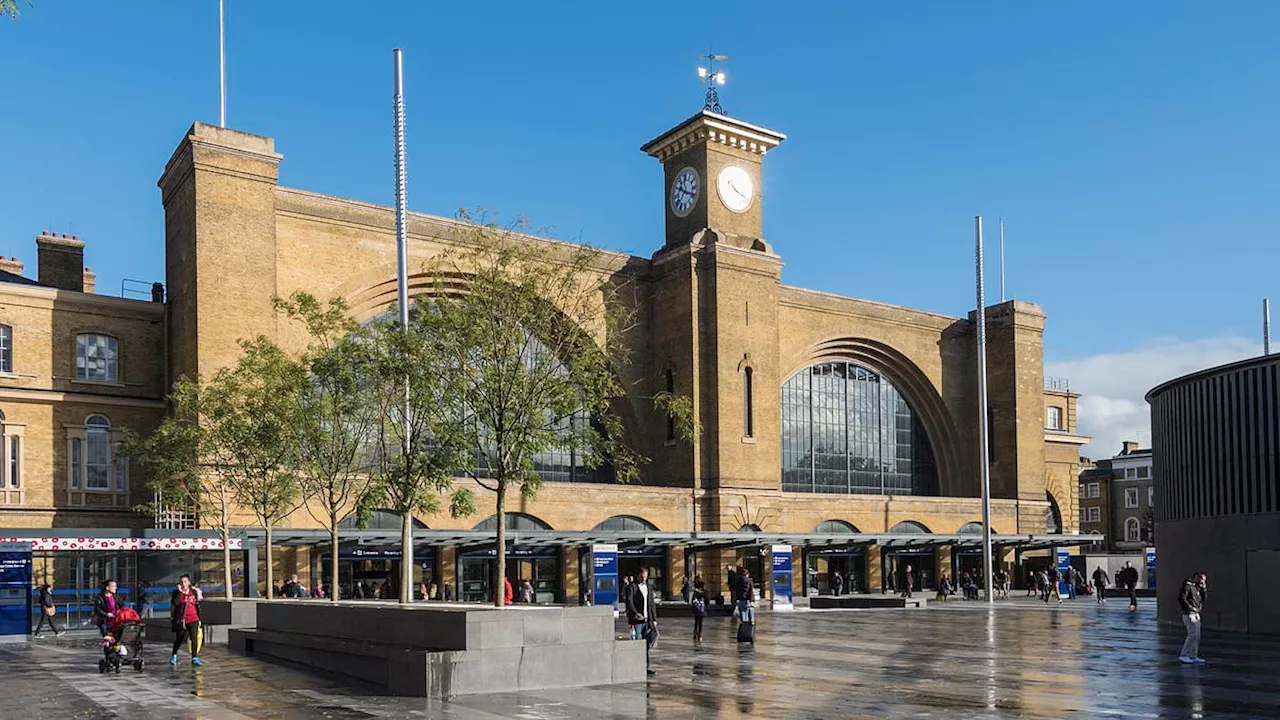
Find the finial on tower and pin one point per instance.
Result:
(712, 77)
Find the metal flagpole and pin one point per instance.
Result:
(1001, 259)
(983, 430)
(222, 68)
(1266, 326)
(402, 297)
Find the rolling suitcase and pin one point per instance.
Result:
(747, 632)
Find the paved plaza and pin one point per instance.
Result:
(953, 660)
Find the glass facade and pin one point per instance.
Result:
(846, 429)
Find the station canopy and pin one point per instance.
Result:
(470, 540)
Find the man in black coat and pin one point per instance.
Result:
(642, 613)
(1191, 601)
(1129, 581)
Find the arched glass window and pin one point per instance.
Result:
(908, 527)
(625, 523)
(972, 528)
(97, 358)
(835, 526)
(97, 461)
(846, 429)
(749, 527)
(378, 520)
(1052, 516)
(515, 521)
(1132, 530)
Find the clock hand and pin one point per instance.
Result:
(735, 189)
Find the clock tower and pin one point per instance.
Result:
(711, 165)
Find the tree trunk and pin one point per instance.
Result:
(500, 567)
(226, 564)
(406, 558)
(271, 585)
(333, 559)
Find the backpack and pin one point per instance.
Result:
(699, 605)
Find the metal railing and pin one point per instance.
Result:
(1057, 383)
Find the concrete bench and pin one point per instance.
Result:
(438, 650)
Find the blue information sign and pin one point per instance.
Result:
(1151, 568)
(15, 588)
(604, 574)
(781, 555)
(1064, 568)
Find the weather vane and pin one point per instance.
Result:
(712, 77)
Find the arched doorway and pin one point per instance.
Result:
(369, 568)
(916, 559)
(838, 570)
(540, 565)
(633, 557)
(967, 558)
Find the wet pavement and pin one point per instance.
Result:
(952, 660)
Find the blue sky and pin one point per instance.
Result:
(1130, 147)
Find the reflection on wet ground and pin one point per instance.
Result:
(1023, 659)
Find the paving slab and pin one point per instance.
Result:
(1023, 659)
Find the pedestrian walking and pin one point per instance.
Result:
(1191, 601)
(685, 589)
(105, 606)
(731, 579)
(698, 604)
(1100, 584)
(1055, 585)
(837, 584)
(184, 604)
(48, 612)
(1002, 583)
(908, 582)
(944, 588)
(1071, 578)
(526, 593)
(642, 614)
(1032, 582)
(1042, 584)
(746, 597)
(1129, 581)
(147, 603)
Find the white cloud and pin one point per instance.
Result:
(1112, 385)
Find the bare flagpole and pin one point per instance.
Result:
(1266, 326)
(222, 67)
(983, 430)
(402, 297)
(1002, 297)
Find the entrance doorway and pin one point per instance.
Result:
(541, 567)
(821, 566)
(894, 569)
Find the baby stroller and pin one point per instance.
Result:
(123, 644)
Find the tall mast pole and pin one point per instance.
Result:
(1002, 297)
(983, 430)
(222, 69)
(402, 297)
(1266, 326)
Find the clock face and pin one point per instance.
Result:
(684, 191)
(735, 188)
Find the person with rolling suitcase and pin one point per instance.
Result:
(746, 607)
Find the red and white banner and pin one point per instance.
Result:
(123, 543)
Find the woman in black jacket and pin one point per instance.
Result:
(47, 611)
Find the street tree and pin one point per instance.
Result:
(539, 331)
(420, 436)
(182, 471)
(337, 417)
(253, 410)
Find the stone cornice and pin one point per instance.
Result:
(710, 127)
(92, 301)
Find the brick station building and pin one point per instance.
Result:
(823, 416)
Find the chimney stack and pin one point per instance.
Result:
(12, 264)
(1129, 447)
(60, 261)
(157, 292)
(89, 280)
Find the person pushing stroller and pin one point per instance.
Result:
(123, 641)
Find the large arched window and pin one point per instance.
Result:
(846, 429)
(555, 465)
(515, 521)
(835, 526)
(970, 528)
(908, 527)
(1052, 516)
(625, 523)
(378, 520)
